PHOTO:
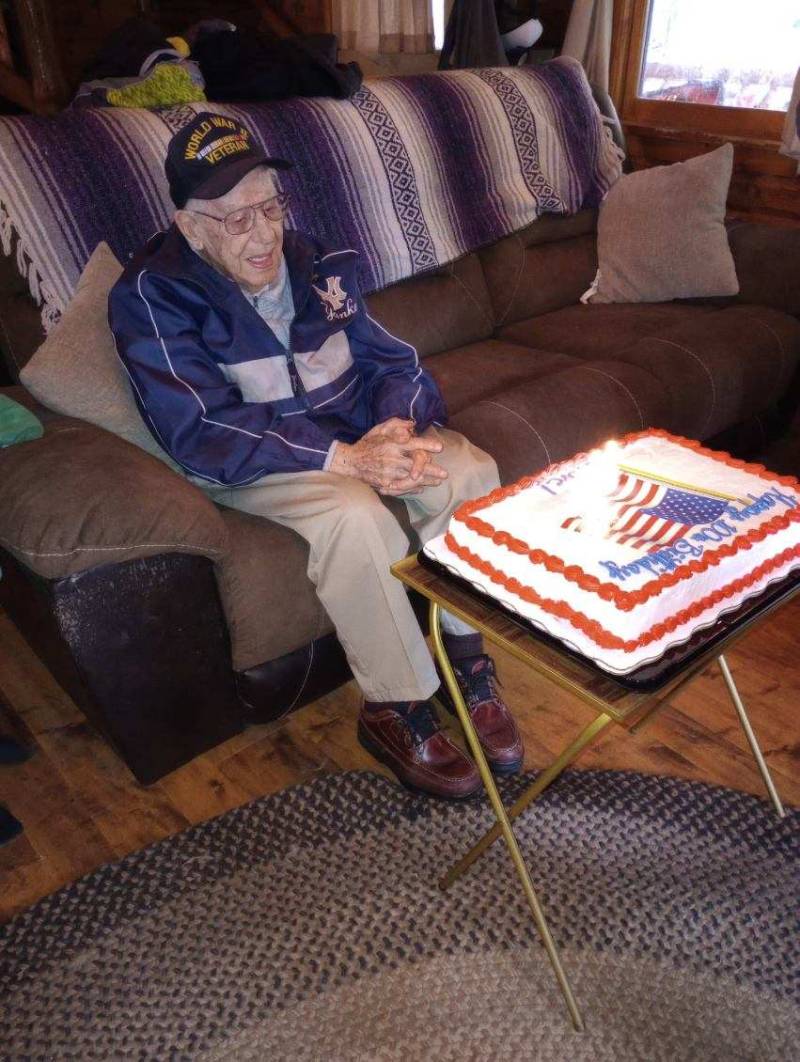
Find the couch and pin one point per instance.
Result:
(174, 623)
(169, 652)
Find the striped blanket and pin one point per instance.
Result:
(413, 172)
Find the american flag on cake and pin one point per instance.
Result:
(643, 513)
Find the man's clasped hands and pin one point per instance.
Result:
(392, 458)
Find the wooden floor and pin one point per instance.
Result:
(81, 807)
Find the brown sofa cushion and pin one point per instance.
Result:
(767, 261)
(80, 496)
(661, 233)
(269, 602)
(601, 331)
(721, 368)
(478, 370)
(447, 308)
(549, 419)
(542, 267)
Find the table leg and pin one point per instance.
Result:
(751, 737)
(504, 826)
(543, 780)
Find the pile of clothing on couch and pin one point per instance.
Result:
(213, 60)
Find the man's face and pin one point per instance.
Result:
(252, 259)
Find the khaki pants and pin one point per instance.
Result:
(353, 539)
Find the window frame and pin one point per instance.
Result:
(734, 123)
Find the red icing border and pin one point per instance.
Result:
(592, 628)
(624, 600)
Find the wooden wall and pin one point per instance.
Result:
(82, 26)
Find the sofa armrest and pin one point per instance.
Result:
(767, 259)
(80, 497)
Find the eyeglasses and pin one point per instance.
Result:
(240, 221)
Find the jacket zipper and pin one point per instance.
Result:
(298, 387)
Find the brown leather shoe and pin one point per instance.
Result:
(494, 724)
(410, 741)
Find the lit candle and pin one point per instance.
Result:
(602, 480)
(605, 465)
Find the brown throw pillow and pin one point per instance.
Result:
(77, 371)
(661, 233)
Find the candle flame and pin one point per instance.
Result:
(595, 484)
(605, 473)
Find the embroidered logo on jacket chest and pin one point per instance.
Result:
(336, 303)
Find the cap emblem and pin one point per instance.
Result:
(235, 138)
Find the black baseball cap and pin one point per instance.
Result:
(211, 154)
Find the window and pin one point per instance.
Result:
(722, 67)
(728, 53)
(438, 24)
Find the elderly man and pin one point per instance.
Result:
(257, 367)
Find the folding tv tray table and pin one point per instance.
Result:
(629, 700)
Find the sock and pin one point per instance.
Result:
(453, 625)
(379, 706)
(461, 647)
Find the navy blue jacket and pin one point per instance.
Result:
(218, 390)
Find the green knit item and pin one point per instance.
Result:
(168, 83)
(17, 424)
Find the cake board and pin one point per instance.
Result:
(650, 677)
(628, 700)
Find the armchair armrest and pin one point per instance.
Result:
(767, 261)
(80, 497)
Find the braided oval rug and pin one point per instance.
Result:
(308, 925)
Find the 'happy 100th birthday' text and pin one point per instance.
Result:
(667, 558)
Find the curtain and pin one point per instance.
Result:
(384, 27)
(790, 141)
(588, 38)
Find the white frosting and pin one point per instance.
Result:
(581, 489)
